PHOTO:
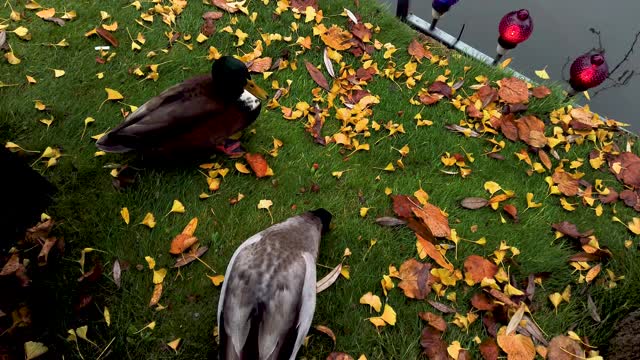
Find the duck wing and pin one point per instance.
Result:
(174, 111)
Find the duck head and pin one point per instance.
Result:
(325, 218)
(231, 77)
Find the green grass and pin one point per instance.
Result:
(88, 207)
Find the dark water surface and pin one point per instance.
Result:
(561, 30)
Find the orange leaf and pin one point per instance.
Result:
(260, 65)
(46, 13)
(513, 90)
(489, 349)
(258, 164)
(517, 347)
(336, 38)
(567, 184)
(181, 243)
(541, 92)
(531, 131)
(191, 227)
(564, 348)
(433, 218)
(434, 320)
(157, 292)
(430, 250)
(416, 279)
(477, 268)
(417, 50)
(222, 4)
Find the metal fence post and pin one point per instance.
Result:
(402, 9)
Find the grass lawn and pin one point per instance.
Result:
(88, 207)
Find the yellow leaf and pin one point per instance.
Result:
(34, 349)
(377, 321)
(124, 212)
(150, 261)
(242, 168)
(149, 220)
(344, 271)
(158, 275)
(177, 207)
(337, 174)
(388, 315)
(104, 15)
(12, 59)
(387, 284)
(371, 300)
(46, 13)
(388, 191)
(454, 349)
(107, 316)
(265, 204)
(113, 94)
(112, 27)
(593, 272)
(628, 244)
(556, 299)
(58, 73)
(566, 293)
(39, 105)
(81, 332)
(422, 196)
(503, 65)
(599, 210)
(531, 203)
(492, 187)
(174, 344)
(32, 5)
(390, 167)
(363, 211)
(31, 80)
(542, 74)
(201, 38)
(135, 46)
(21, 31)
(634, 225)
(512, 291)
(216, 280)
(566, 205)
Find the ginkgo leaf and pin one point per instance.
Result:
(242, 168)
(149, 220)
(371, 300)
(217, 279)
(531, 203)
(542, 74)
(113, 94)
(58, 73)
(265, 204)
(46, 13)
(363, 211)
(556, 299)
(174, 344)
(390, 168)
(388, 317)
(158, 275)
(492, 187)
(150, 261)
(124, 212)
(177, 207)
(34, 349)
(107, 316)
(12, 59)
(634, 225)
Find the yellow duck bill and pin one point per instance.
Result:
(256, 90)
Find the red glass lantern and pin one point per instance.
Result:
(588, 70)
(515, 27)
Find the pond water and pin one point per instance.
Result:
(561, 30)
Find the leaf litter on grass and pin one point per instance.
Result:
(352, 59)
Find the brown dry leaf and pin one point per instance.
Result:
(416, 279)
(212, 15)
(570, 230)
(317, 76)
(11, 266)
(433, 218)
(43, 256)
(477, 268)
(190, 256)
(430, 250)
(55, 20)
(511, 210)
(390, 221)
(474, 203)
(540, 92)
(417, 50)
(222, 4)
(564, 348)
(117, 273)
(40, 231)
(517, 347)
(258, 164)
(567, 184)
(442, 307)
(481, 301)
(487, 95)
(429, 99)
(260, 65)
(531, 131)
(434, 320)
(508, 127)
(360, 31)
(442, 88)
(489, 349)
(593, 273)
(339, 356)
(402, 205)
(301, 5)
(337, 38)
(107, 36)
(432, 345)
(513, 91)
(325, 330)
(629, 172)
(473, 112)
(182, 242)
(544, 158)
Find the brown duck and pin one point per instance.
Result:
(193, 117)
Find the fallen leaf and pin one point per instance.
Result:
(593, 272)
(174, 344)
(149, 220)
(517, 347)
(474, 203)
(182, 242)
(34, 349)
(434, 320)
(489, 349)
(542, 74)
(190, 256)
(432, 344)
(339, 356)
(106, 35)
(629, 173)
(117, 273)
(58, 73)
(55, 20)
(426, 248)
(124, 212)
(442, 307)
(570, 230)
(417, 50)
(222, 4)
(301, 5)
(336, 38)
(442, 88)
(511, 210)
(155, 296)
(403, 205)
(540, 92)
(159, 275)
(317, 76)
(113, 94)
(513, 91)
(416, 279)
(390, 221)
(388, 316)
(258, 164)
(555, 299)
(481, 301)
(107, 316)
(46, 13)
(371, 300)
(329, 279)
(564, 348)
(433, 218)
(325, 330)
(216, 280)
(477, 268)
(593, 309)
(567, 184)
(177, 207)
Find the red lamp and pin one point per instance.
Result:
(515, 27)
(587, 71)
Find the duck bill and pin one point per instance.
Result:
(256, 90)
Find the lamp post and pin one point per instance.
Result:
(515, 27)
(587, 71)
(438, 9)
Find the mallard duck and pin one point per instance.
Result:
(269, 294)
(194, 116)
